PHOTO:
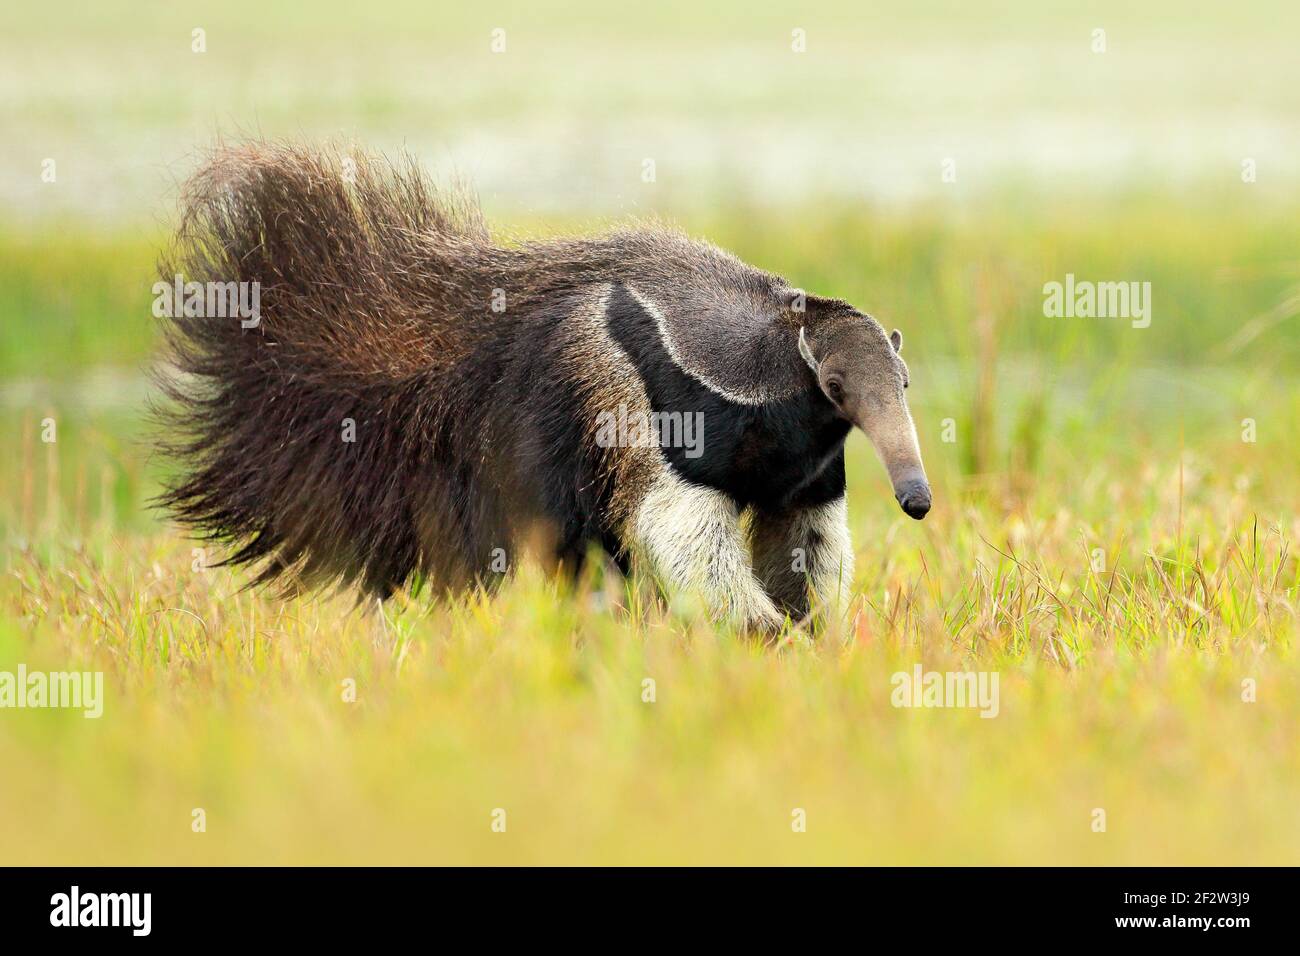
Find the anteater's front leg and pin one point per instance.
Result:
(692, 536)
(804, 548)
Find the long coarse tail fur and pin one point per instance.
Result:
(335, 438)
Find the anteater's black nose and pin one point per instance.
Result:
(914, 497)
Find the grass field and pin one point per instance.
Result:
(1115, 514)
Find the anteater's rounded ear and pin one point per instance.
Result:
(896, 340)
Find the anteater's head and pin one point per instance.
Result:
(861, 372)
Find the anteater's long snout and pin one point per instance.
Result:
(890, 428)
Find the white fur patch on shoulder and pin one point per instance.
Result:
(759, 394)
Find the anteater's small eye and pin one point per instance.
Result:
(835, 390)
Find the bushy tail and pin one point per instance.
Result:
(312, 435)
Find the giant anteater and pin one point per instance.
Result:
(417, 398)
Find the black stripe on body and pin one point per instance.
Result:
(773, 455)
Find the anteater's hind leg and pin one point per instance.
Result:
(801, 550)
(692, 536)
